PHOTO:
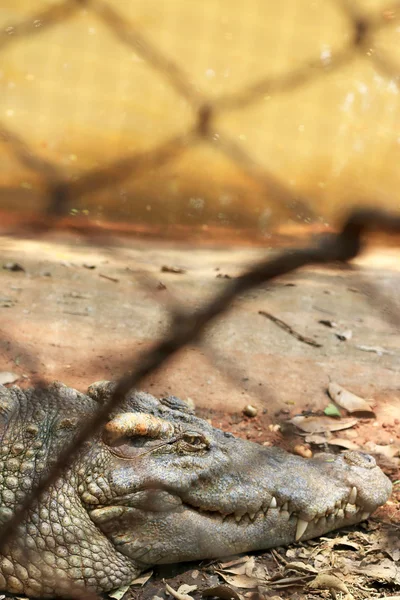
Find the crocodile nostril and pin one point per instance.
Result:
(359, 459)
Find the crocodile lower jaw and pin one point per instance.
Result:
(346, 510)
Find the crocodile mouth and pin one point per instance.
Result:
(347, 510)
(342, 511)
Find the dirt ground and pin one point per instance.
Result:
(79, 314)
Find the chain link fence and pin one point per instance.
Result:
(63, 191)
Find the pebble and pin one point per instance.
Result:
(250, 411)
(303, 451)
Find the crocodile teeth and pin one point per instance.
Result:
(285, 506)
(273, 503)
(238, 518)
(364, 515)
(353, 495)
(301, 528)
(252, 515)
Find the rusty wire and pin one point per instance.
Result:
(188, 327)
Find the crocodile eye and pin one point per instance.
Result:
(192, 441)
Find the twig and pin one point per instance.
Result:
(289, 329)
(114, 279)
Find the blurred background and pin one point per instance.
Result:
(305, 116)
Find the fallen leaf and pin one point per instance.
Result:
(328, 582)
(300, 566)
(386, 570)
(117, 594)
(344, 336)
(388, 598)
(142, 579)
(340, 541)
(176, 594)
(7, 377)
(167, 269)
(225, 592)
(316, 438)
(186, 589)
(237, 560)
(348, 400)
(245, 568)
(390, 451)
(239, 581)
(332, 411)
(343, 443)
(315, 424)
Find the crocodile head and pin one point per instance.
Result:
(183, 490)
(157, 485)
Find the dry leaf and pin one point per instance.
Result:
(300, 566)
(390, 451)
(321, 424)
(117, 594)
(316, 438)
(239, 581)
(343, 443)
(340, 541)
(387, 598)
(7, 377)
(142, 579)
(386, 570)
(225, 592)
(176, 594)
(328, 582)
(236, 560)
(245, 568)
(186, 589)
(348, 400)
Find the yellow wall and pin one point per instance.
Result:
(81, 98)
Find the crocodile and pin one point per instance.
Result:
(156, 485)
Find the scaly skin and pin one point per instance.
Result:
(157, 485)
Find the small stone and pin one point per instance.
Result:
(13, 266)
(344, 336)
(303, 451)
(250, 411)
